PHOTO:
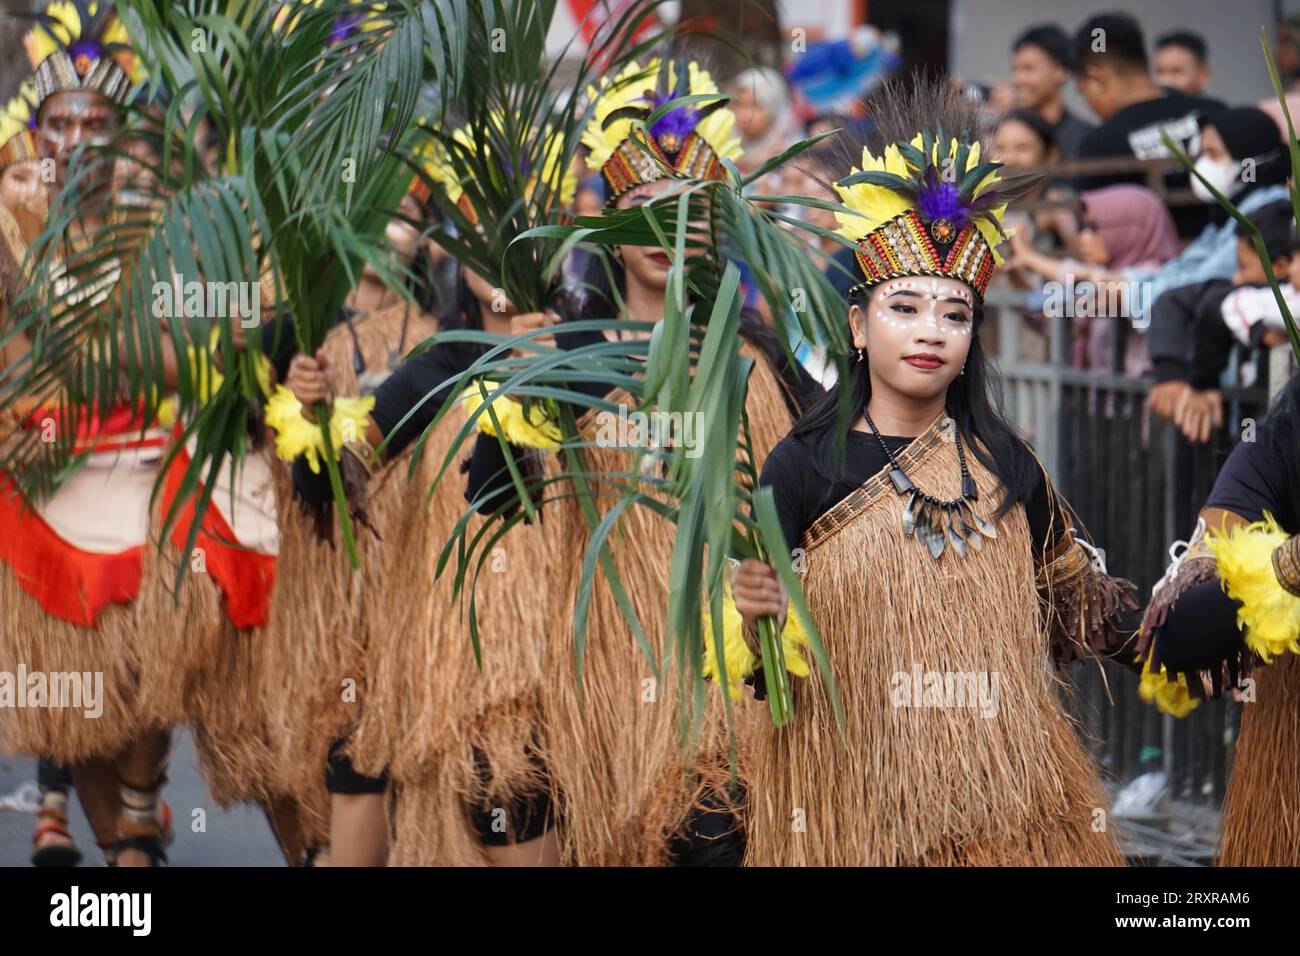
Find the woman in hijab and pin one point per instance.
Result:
(760, 98)
(1229, 138)
(1125, 237)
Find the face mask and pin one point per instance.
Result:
(1223, 175)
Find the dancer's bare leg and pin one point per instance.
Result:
(95, 782)
(358, 829)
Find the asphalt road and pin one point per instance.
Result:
(238, 838)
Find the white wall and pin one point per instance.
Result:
(982, 32)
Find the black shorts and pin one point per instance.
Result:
(525, 818)
(342, 779)
(713, 836)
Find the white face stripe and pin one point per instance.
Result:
(931, 293)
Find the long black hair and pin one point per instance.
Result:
(973, 401)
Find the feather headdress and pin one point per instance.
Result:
(81, 45)
(441, 169)
(923, 203)
(16, 122)
(691, 139)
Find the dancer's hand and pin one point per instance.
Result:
(758, 593)
(308, 379)
(530, 321)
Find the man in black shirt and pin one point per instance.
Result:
(1113, 76)
(1040, 65)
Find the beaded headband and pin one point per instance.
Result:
(540, 168)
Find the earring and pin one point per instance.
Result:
(859, 355)
(963, 369)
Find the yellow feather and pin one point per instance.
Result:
(740, 661)
(873, 204)
(9, 127)
(629, 88)
(876, 204)
(437, 163)
(625, 89)
(531, 429)
(1269, 614)
(42, 40)
(1169, 696)
(19, 108)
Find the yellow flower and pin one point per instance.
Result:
(349, 418)
(295, 435)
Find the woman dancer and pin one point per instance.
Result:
(944, 575)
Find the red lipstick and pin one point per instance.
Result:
(923, 360)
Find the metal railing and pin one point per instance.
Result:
(1136, 485)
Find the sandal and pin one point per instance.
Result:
(150, 844)
(62, 850)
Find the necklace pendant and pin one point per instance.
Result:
(929, 530)
(909, 514)
(983, 527)
(968, 490)
(935, 540)
(954, 534)
(973, 537)
(902, 484)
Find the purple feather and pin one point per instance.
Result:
(87, 48)
(938, 199)
(344, 26)
(680, 121)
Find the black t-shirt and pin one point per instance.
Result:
(802, 494)
(1069, 132)
(1255, 479)
(1136, 131)
(433, 370)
